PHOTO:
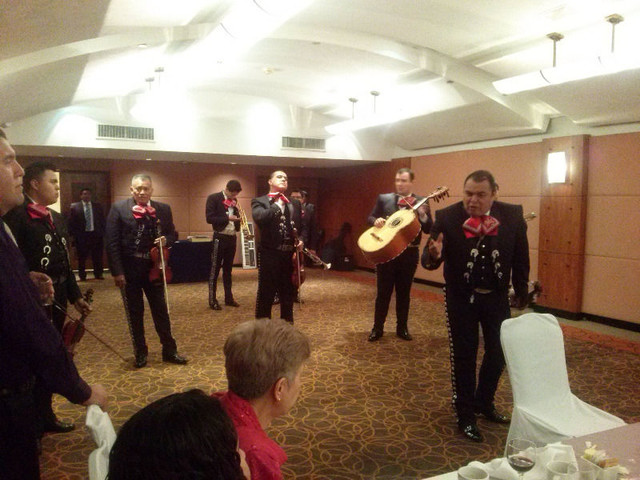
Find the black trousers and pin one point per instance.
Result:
(137, 277)
(224, 250)
(18, 438)
(397, 273)
(89, 243)
(463, 318)
(274, 276)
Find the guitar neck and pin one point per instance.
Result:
(419, 203)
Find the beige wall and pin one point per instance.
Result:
(612, 246)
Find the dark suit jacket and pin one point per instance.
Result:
(217, 213)
(77, 222)
(31, 234)
(122, 228)
(387, 205)
(512, 244)
(311, 228)
(267, 215)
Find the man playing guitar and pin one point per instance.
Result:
(399, 271)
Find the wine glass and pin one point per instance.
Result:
(521, 455)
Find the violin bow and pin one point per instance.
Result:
(77, 321)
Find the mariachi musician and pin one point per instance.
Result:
(280, 223)
(134, 227)
(399, 271)
(41, 235)
(222, 212)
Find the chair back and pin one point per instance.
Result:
(533, 347)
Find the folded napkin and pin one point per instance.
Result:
(101, 429)
(499, 468)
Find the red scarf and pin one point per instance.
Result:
(406, 201)
(141, 211)
(40, 211)
(276, 195)
(480, 226)
(227, 202)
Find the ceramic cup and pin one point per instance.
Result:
(472, 473)
(558, 470)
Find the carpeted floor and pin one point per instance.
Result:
(367, 411)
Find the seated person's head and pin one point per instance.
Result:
(263, 359)
(181, 436)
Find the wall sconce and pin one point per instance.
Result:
(557, 167)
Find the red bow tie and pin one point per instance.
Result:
(40, 211)
(227, 202)
(141, 211)
(406, 201)
(480, 226)
(277, 195)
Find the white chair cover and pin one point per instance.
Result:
(101, 429)
(544, 409)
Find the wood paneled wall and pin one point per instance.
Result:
(562, 227)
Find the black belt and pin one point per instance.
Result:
(146, 255)
(25, 387)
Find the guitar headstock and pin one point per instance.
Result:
(439, 193)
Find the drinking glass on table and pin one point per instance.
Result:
(521, 455)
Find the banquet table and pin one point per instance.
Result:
(621, 442)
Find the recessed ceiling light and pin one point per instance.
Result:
(148, 159)
(142, 45)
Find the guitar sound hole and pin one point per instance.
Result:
(396, 222)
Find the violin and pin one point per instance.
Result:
(298, 275)
(160, 269)
(73, 330)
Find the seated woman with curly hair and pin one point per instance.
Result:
(184, 436)
(263, 361)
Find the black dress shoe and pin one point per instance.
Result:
(57, 426)
(232, 303)
(404, 334)
(471, 431)
(215, 305)
(141, 360)
(493, 415)
(375, 335)
(174, 358)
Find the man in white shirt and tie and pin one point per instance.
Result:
(86, 225)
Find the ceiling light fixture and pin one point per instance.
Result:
(373, 120)
(602, 65)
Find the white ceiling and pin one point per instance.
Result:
(432, 61)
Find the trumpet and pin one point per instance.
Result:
(244, 224)
(316, 259)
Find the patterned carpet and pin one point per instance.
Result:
(367, 411)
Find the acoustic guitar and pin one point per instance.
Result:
(380, 245)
